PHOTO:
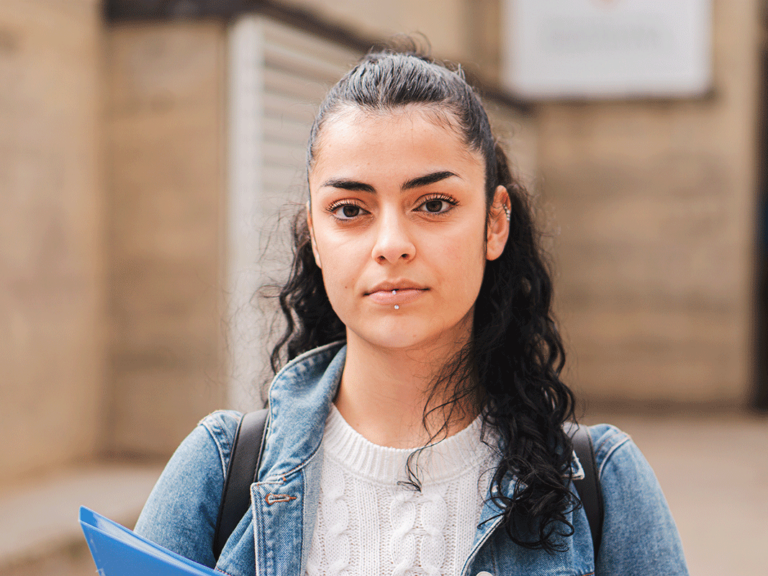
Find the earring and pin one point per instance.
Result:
(507, 212)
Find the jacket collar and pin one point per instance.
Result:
(300, 399)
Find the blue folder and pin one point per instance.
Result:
(118, 551)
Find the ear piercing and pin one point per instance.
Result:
(507, 212)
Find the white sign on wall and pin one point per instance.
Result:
(607, 48)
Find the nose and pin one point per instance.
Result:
(393, 243)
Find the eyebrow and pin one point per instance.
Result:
(425, 180)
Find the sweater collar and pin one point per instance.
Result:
(443, 460)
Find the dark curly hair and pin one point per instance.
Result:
(510, 370)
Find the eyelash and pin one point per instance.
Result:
(333, 208)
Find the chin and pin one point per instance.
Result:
(392, 340)
(400, 334)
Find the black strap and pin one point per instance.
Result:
(241, 473)
(589, 487)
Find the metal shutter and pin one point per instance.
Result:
(277, 77)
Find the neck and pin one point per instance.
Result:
(384, 394)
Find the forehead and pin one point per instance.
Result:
(408, 134)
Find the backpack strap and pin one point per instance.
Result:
(588, 487)
(241, 473)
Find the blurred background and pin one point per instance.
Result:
(147, 151)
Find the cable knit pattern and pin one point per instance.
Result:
(434, 518)
(369, 525)
(336, 515)
(403, 519)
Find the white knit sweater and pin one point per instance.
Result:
(369, 525)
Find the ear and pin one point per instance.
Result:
(312, 235)
(498, 224)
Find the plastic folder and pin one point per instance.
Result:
(117, 551)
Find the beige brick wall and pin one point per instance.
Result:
(443, 22)
(654, 206)
(165, 132)
(51, 286)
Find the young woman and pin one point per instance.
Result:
(418, 425)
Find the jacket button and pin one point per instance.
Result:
(484, 574)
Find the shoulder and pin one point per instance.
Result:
(620, 462)
(221, 427)
(182, 509)
(209, 445)
(639, 533)
(610, 443)
(623, 471)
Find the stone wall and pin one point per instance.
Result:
(653, 205)
(165, 136)
(51, 230)
(443, 22)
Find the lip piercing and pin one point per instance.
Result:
(394, 291)
(397, 307)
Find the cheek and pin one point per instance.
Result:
(336, 276)
(336, 288)
(340, 269)
(464, 256)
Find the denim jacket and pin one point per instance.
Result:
(274, 537)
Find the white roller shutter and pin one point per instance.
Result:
(277, 77)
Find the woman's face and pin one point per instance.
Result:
(398, 220)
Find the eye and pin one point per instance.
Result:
(345, 210)
(436, 205)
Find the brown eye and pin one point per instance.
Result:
(347, 211)
(434, 206)
(350, 211)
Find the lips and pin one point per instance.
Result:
(392, 293)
